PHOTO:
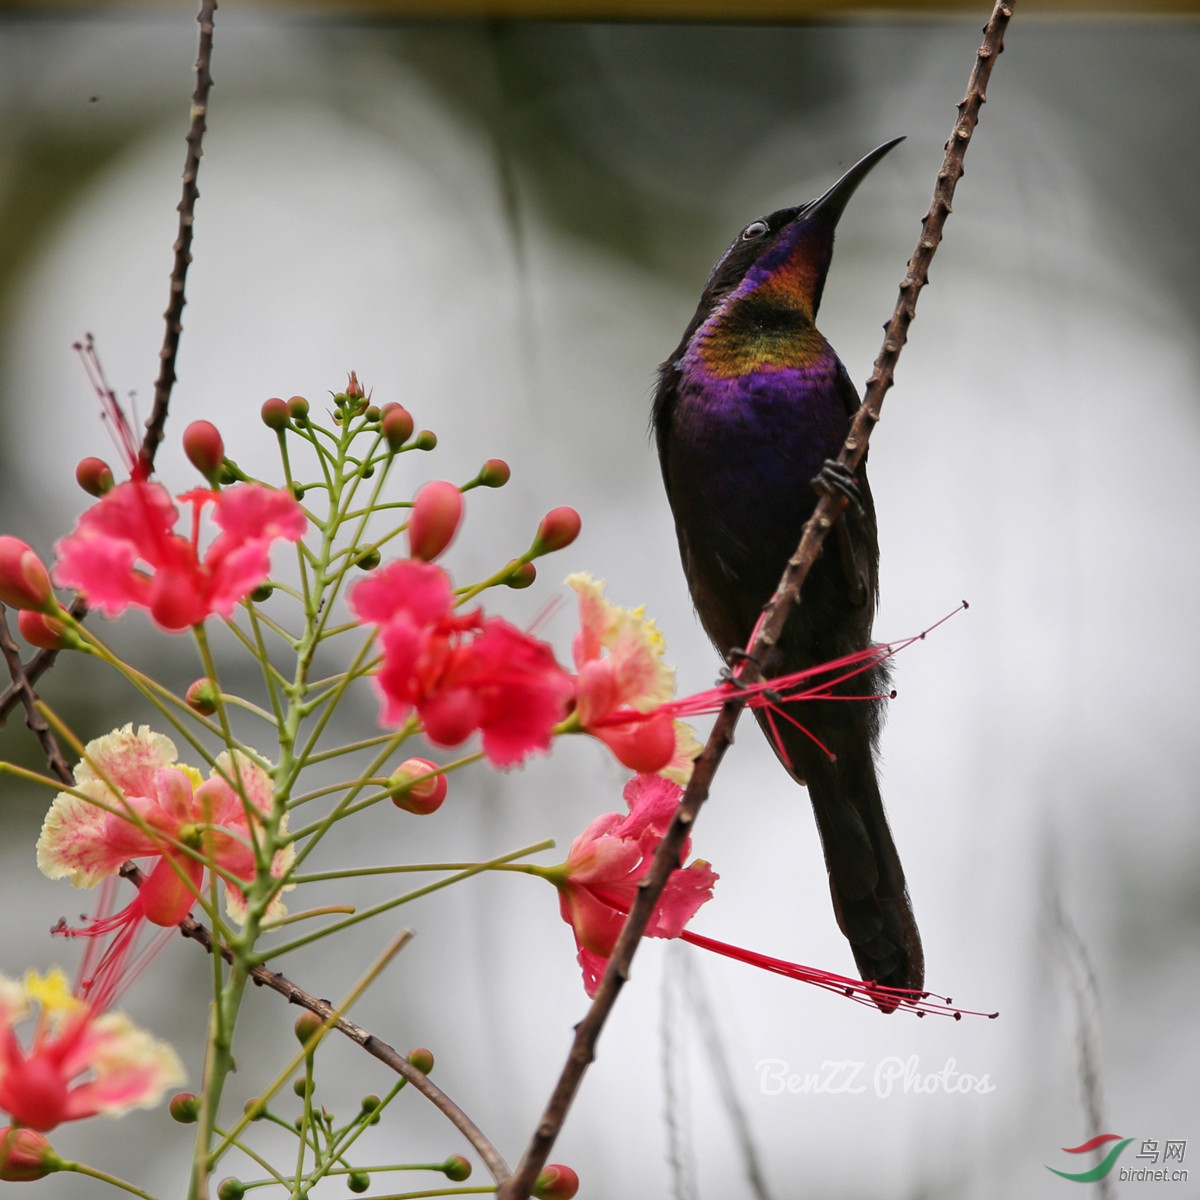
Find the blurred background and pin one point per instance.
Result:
(505, 226)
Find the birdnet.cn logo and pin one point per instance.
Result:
(1162, 1170)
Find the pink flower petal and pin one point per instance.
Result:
(420, 590)
(252, 511)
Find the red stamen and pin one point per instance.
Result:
(107, 970)
(771, 694)
(120, 430)
(773, 709)
(859, 990)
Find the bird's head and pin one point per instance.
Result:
(767, 286)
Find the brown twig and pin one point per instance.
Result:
(22, 689)
(183, 243)
(667, 857)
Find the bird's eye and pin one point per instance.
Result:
(754, 230)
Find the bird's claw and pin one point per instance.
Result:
(735, 656)
(836, 479)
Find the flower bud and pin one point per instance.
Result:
(559, 528)
(24, 582)
(495, 473)
(556, 1182)
(298, 407)
(396, 425)
(94, 475)
(415, 790)
(370, 1103)
(354, 389)
(25, 1155)
(523, 574)
(358, 1181)
(303, 1087)
(47, 633)
(254, 1108)
(204, 448)
(306, 1027)
(426, 440)
(184, 1108)
(422, 1059)
(368, 560)
(262, 593)
(372, 413)
(202, 696)
(275, 414)
(436, 513)
(456, 1168)
(231, 1189)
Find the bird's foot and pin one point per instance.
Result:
(735, 656)
(836, 479)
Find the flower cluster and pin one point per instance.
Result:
(598, 882)
(441, 666)
(461, 672)
(132, 800)
(132, 528)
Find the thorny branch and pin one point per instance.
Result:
(770, 625)
(183, 243)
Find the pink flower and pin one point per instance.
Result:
(91, 831)
(459, 672)
(623, 686)
(598, 883)
(82, 1060)
(132, 528)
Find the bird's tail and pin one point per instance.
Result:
(866, 880)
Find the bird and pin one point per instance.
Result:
(749, 414)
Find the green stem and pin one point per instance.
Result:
(356, 872)
(262, 1162)
(388, 905)
(104, 1177)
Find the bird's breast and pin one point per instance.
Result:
(770, 428)
(742, 455)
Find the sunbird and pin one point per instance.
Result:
(749, 415)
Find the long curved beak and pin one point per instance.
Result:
(833, 203)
